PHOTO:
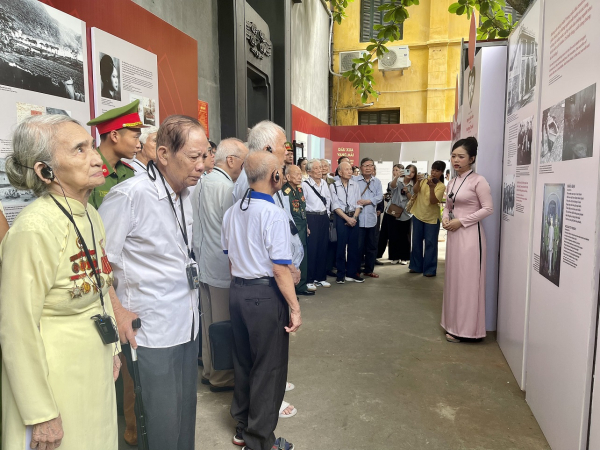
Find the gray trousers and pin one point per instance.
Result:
(169, 378)
(260, 360)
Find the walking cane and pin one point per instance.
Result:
(137, 389)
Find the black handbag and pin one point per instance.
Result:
(220, 336)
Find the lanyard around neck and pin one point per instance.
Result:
(452, 195)
(182, 229)
(95, 268)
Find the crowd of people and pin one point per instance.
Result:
(189, 237)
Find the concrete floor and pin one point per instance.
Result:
(373, 371)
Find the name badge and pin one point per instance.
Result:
(192, 276)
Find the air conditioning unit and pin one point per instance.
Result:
(347, 57)
(397, 58)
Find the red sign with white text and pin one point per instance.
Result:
(349, 149)
(203, 116)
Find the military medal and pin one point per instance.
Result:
(102, 283)
(106, 267)
(76, 291)
(75, 267)
(109, 281)
(86, 287)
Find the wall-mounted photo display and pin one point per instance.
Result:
(552, 221)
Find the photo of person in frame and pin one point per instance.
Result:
(552, 221)
(110, 77)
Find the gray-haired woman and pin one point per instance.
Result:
(58, 374)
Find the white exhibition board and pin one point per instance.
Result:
(384, 172)
(124, 72)
(43, 70)
(483, 118)
(518, 188)
(564, 278)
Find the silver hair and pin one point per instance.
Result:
(147, 132)
(311, 163)
(228, 147)
(325, 161)
(263, 134)
(33, 141)
(258, 172)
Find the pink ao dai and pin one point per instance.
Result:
(463, 312)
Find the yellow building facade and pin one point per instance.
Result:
(425, 92)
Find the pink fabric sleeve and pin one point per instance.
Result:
(484, 195)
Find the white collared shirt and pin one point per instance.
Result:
(372, 191)
(313, 202)
(213, 199)
(146, 249)
(256, 238)
(344, 197)
(138, 166)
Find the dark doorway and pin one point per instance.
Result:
(258, 97)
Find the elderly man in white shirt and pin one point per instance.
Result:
(214, 198)
(263, 304)
(318, 203)
(148, 222)
(147, 152)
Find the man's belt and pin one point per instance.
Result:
(264, 281)
(316, 213)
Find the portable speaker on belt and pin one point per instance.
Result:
(220, 336)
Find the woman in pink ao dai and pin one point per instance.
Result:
(469, 201)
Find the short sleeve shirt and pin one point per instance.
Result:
(256, 238)
(112, 176)
(422, 208)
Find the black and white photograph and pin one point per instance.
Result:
(146, 109)
(552, 221)
(110, 77)
(41, 49)
(524, 141)
(508, 195)
(580, 112)
(522, 70)
(553, 125)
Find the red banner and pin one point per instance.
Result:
(203, 116)
(349, 149)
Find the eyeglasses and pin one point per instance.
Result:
(236, 156)
(368, 165)
(212, 151)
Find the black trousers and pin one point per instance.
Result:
(260, 360)
(367, 245)
(318, 242)
(395, 234)
(347, 239)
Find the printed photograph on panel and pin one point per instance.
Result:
(508, 195)
(553, 123)
(110, 77)
(524, 141)
(580, 111)
(41, 49)
(522, 70)
(146, 109)
(552, 221)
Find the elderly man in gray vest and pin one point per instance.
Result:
(214, 198)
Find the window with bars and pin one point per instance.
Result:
(384, 117)
(371, 16)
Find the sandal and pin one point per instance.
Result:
(284, 405)
(371, 274)
(452, 339)
(289, 386)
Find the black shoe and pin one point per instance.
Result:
(220, 389)
(305, 293)
(331, 273)
(340, 280)
(205, 381)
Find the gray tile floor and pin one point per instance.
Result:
(373, 371)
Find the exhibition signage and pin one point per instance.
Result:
(123, 73)
(43, 70)
(349, 149)
(518, 189)
(203, 116)
(564, 266)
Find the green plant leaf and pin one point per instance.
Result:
(461, 10)
(453, 8)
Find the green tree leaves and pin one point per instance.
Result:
(495, 23)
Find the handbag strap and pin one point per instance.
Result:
(318, 195)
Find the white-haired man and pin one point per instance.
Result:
(214, 198)
(147, 152)
(263, 304)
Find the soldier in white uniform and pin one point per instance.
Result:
(262, 302)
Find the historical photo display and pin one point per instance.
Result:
(522, 70)
(524, 141)
(552, 225)
(110, 78)
(580, 112)
(41, 49)
(553, 123)
(508, 195)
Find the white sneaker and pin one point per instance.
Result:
(324, 284)
(404, 263)
(311, 287)
(396, 261)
